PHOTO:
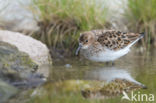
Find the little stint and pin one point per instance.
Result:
(106, 45)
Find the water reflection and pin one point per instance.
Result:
(117, 81)
(70, 78)
(111, 73)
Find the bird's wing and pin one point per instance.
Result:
(116, 40)
(100, 32)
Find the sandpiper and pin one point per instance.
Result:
(106, 45)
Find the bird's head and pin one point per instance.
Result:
(85, 40)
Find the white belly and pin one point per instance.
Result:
(108, 55)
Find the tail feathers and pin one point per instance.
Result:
(138, 38)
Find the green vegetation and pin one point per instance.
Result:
(61, 21)
(142, 17)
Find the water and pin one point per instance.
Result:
(68, 75)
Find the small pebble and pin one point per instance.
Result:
(68, 66)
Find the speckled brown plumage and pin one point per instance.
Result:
(106, 45)
(115, 40)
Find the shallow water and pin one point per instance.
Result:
(135, 66)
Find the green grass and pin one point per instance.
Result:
(61, 21)
(141, 15)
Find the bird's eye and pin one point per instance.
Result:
(86, 41)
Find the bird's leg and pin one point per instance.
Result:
(107, 63)
(110, 64)
(113, 63)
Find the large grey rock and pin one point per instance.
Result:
(16, 15)
(36, 50)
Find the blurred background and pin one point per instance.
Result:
(58, 23)
(27, 73)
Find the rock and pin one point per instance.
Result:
(6, 91)
(37, 51)
(68, 65)
(17, 68)
(16, 16)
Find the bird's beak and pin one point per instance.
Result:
(78, 49)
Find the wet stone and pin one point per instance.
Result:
(16, 66)
(6, 91)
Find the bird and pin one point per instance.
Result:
(106, 45)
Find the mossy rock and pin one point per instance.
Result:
(6, 91)
(15, 66)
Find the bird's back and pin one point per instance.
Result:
(116, 40)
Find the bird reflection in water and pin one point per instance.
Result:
(114, 82)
